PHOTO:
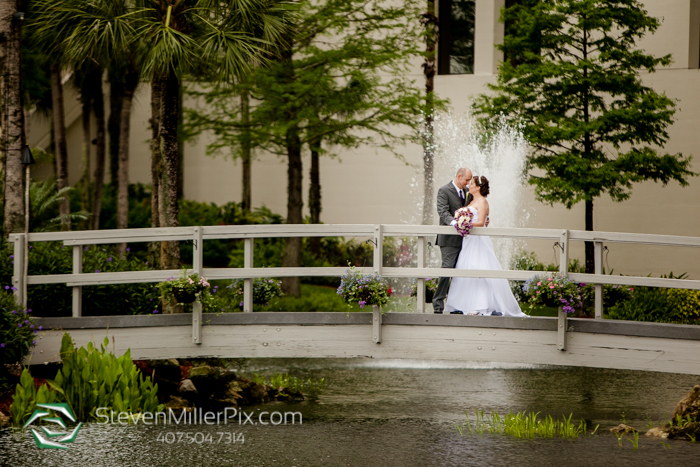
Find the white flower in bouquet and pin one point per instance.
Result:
(463, 217)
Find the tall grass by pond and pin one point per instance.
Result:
(523, 425)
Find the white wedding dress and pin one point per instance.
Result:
(477, 295)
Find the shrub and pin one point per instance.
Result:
(264, 290)
(27, 396)
(17, 331)
(678, 306)
(98, 300)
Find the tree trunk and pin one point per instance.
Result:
(132, 81)
(156, 90)
(170, 251)
(246, 199)
(59, 131)
(123, 172)
(100, 150)
(590, 255)
(315, 194)
(291, 256)
(13, 117)
(116, 96)
(430, 22)
(86, 99)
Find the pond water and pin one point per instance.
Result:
(402, 413)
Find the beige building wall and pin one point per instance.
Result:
(372, 186)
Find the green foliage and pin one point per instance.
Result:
(574, 89)
(264, 290)
(17, 330)
(98, 300)
(286, 383)
(342, 79)
(92, 378)
(313, 298)
(44, 200)
(523, 425)
(364, 289)
(679, 306)
(430, 286)
(27, 396)
(184, 289)
(553, 289)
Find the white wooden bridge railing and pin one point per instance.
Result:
(377, 232)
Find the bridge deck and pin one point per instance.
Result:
(590, 343)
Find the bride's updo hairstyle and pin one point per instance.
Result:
(483, 184)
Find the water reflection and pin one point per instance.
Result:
(403, 413)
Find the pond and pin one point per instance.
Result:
(401, 413)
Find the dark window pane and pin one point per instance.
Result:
(456, 44)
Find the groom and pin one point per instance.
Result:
(450, 198)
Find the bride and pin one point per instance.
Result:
(480, 296)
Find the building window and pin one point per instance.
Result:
(456, 42)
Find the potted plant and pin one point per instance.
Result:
(264, 290)
(430, 288)
(184, 289)
(364, 289)
(553, 289)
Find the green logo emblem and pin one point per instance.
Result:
(50, 415)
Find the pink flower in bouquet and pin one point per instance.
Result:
(539, 283)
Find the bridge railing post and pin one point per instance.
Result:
(248, 283)
(378, 258)
(18, 267)
(564, 269)
(420, 282)
(598, 258)
(197, 265)
(77, 305)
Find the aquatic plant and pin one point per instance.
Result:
(523, 425)
(284, 381)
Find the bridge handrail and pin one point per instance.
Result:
(377, 232)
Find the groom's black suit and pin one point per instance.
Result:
(448, 201)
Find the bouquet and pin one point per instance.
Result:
(553, 289)
(364, 289)
(464, 217)
(184, 289)
(264, 290)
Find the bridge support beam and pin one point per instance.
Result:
(598, 257)
(420, 282)
(197, 265)
(18, 267)
(564, 269)
(248, 283)
(376, 325)
(77, 289)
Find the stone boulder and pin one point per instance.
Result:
(166, 369)
(4, 420)
(657, 432)
(210, 380)
(622, 428)
(177, 404)
(688, 432)
(689, 406)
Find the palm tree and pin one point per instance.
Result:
(217, 40)
(12, 115)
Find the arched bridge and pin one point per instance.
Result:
(419, 335)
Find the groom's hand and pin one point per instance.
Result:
(487, 222)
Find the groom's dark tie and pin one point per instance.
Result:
(461, 195)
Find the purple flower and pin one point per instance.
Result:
(32, 326)
(109, 259)
(14, 312)
(2, 346)
(96, 271)
(19, 325)
(7, 287)
(12, 256)
(40, 328)
(26, 321)
(35, 331)
(155, 311)
(30, 247)
(241, 304)
(33, 342)
(85, 248)
(128, 249)
(14, 288)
